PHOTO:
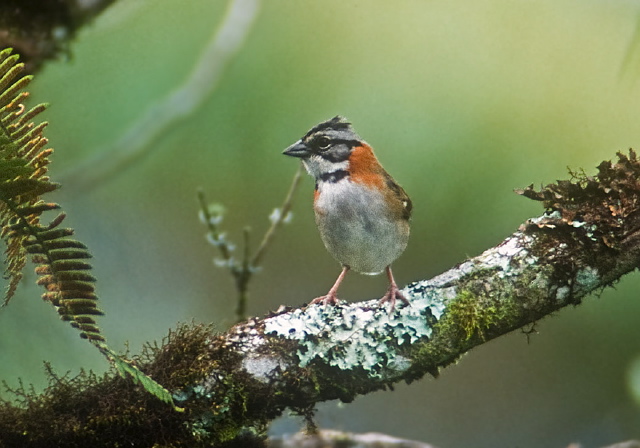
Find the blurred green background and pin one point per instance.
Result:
(462, 100)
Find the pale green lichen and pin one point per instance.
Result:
(588, 278)
(364, 336)
(563, 293)
(262, 367)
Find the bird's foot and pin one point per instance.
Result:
(332, 296)
(329, 299)
(393, 293)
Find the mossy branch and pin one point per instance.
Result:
(233, 384)
(588, 237)
(43, 31)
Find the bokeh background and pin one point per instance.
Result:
(462, 100)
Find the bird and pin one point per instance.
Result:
(361, 212)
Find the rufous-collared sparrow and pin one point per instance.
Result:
(361, 212)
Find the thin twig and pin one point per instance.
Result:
(243, 271)
(224, 248)
(284, 212)
(114, 158)
(243, 276)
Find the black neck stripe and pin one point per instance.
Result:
(334, 176)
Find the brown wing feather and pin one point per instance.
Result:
(399, 197)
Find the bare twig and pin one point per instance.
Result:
(244, 270)
(243, 275)
(215, 237)
(177, 105)
(280, 218)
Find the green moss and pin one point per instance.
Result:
(469, 316)
(466, 322)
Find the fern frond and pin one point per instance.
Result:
(126, 368)
(60, 260)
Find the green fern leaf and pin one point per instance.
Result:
(126, 368)
(61, 260)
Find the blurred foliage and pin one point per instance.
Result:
(462, 101)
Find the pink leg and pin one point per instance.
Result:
(332, 296)
(393, 292)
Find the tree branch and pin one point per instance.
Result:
(42, 31)
(235, 383)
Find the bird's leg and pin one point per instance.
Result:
(393, 292)
(332, 296)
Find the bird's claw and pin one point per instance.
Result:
(392, 294)
(329, 299)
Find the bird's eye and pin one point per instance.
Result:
(324, 143)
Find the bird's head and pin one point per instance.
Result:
(326, 148)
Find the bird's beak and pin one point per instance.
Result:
(298, 149)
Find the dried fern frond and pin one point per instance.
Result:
(61, 260)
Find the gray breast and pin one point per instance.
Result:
(356, 227)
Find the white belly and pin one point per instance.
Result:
(356, 227)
